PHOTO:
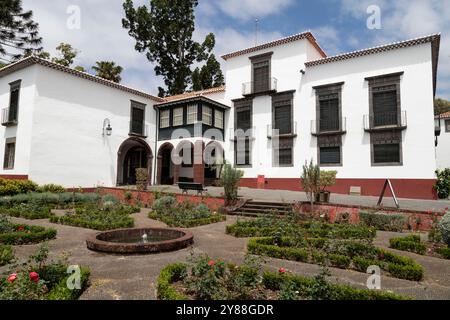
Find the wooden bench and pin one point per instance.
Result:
(186, 186)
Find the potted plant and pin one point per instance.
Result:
(327, 179)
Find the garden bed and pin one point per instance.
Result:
(28, 211)
(106, 216)
(343, 254)
(413, 243)
(184, 214)
(210, 280)
(6, 254)
(23, 234)
(40, 279)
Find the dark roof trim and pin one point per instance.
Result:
(192, 99)
(262, 56)
(26, 62)
(382, 76)
(300, 36)
(322, 86)
(283, 92)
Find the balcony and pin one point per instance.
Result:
(138, 129)
(8, 118)
(328, 127)
(287, 133)
(259, 87)
(241, 134)
(385, 121)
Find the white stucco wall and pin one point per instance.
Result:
(67, 145)
(416, 99)
(23, 131)
(443, 148)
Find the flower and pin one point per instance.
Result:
(12, 277)
(282, 270)
(34, 276)
(211, 263)
(20, 228)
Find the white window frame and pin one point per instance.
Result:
(178, 116)
(218, 115)
(192, 113)
(164, 121)
(207, 117)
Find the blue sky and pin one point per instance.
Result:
(339, 26)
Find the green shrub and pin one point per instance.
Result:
(167, 276)
(442, 185)
(12, 187)
(52, 188)
(30, 211)
(62, 292)
(48, 199)
(385, 222)
(6, 254)
(141, 179)
(229, 180)
(444, 252)
(444, 227)
(23, 234)
(410, 243)
(408, 272)
(362, 264)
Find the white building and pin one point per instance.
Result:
(367, 114)
(443, 141)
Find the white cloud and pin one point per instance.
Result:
(248, 9)
(328, 36)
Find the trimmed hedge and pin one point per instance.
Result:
(410, 243)
(61, 292)
(30, 235)
(254, 228)
(188, 223)
(83, 222)
(6, 254)
(27, 211)
(49, 199)
(384, 222)
(352, 255)
(275, 281)
(444, 252)
(10, 187)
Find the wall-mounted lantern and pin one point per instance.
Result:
(107, 129)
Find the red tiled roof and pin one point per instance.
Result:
(194, 94)
(445, 115)
(26, 62)
(300, 36)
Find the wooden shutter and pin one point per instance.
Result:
(386, 153)
(330, 155)
(385, 108)
(329, 113)
(137, 121)
(243, 119)
(13, 104)
(261, 72)
(283, 120)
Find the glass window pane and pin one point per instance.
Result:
(178, 116)
(165, 119)
(207, 115)
(218, 119)
(192, 114)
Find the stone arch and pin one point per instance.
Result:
(133, 152)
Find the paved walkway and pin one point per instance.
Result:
(134, 277)
(291, 196)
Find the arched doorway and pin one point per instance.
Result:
(165, 166)
(134, 153)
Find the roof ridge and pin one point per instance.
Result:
(345, 54)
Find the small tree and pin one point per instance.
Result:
(230, 181)
(327, 179)
(141, 179)
(311, 181)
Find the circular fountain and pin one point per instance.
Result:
(146, 240)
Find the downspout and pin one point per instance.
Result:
(156, 145)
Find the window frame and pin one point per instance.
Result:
(277, 102)
(140, 106)
(261, 58)
(337, 164)
(241, 105)
(210, 115)
(161, 117)
(325, 93)
(14, 86)
(395, 138)
(7, 154)
(330, 141)
(175, 116)
(222, 116)
(195, 120)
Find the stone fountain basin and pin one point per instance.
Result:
(106, 241)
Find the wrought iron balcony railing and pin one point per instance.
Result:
(256, 87)
(287, 131)
(328, 127)
(385, 120)
(8, 118)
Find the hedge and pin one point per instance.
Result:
(410, 243)
(273, 281)
(444, 252)
(6, 254)
(31, 212)
(384, 222)
(188, 223)
(30, 235)
(397, 266)
(62, 292)
(127, 222)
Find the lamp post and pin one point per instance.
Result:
(107, 129)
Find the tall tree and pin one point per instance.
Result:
(209, 76)
(66, 56)
(18, 32)
(441, 106)
(164, 33)
(108, 70)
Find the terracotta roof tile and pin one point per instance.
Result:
(300, 36)
(194, 94)
(23, 63)
(445, 115)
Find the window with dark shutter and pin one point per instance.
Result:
(283, 122)
(242, 159)
(330, 155)
(385, 109)
(261, 71)
(243, 119)
(386, 153)
(329, 113)
(14, 101)
(447, 125)
(137, 124)
(10, 150)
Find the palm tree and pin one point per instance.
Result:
(108, 70)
